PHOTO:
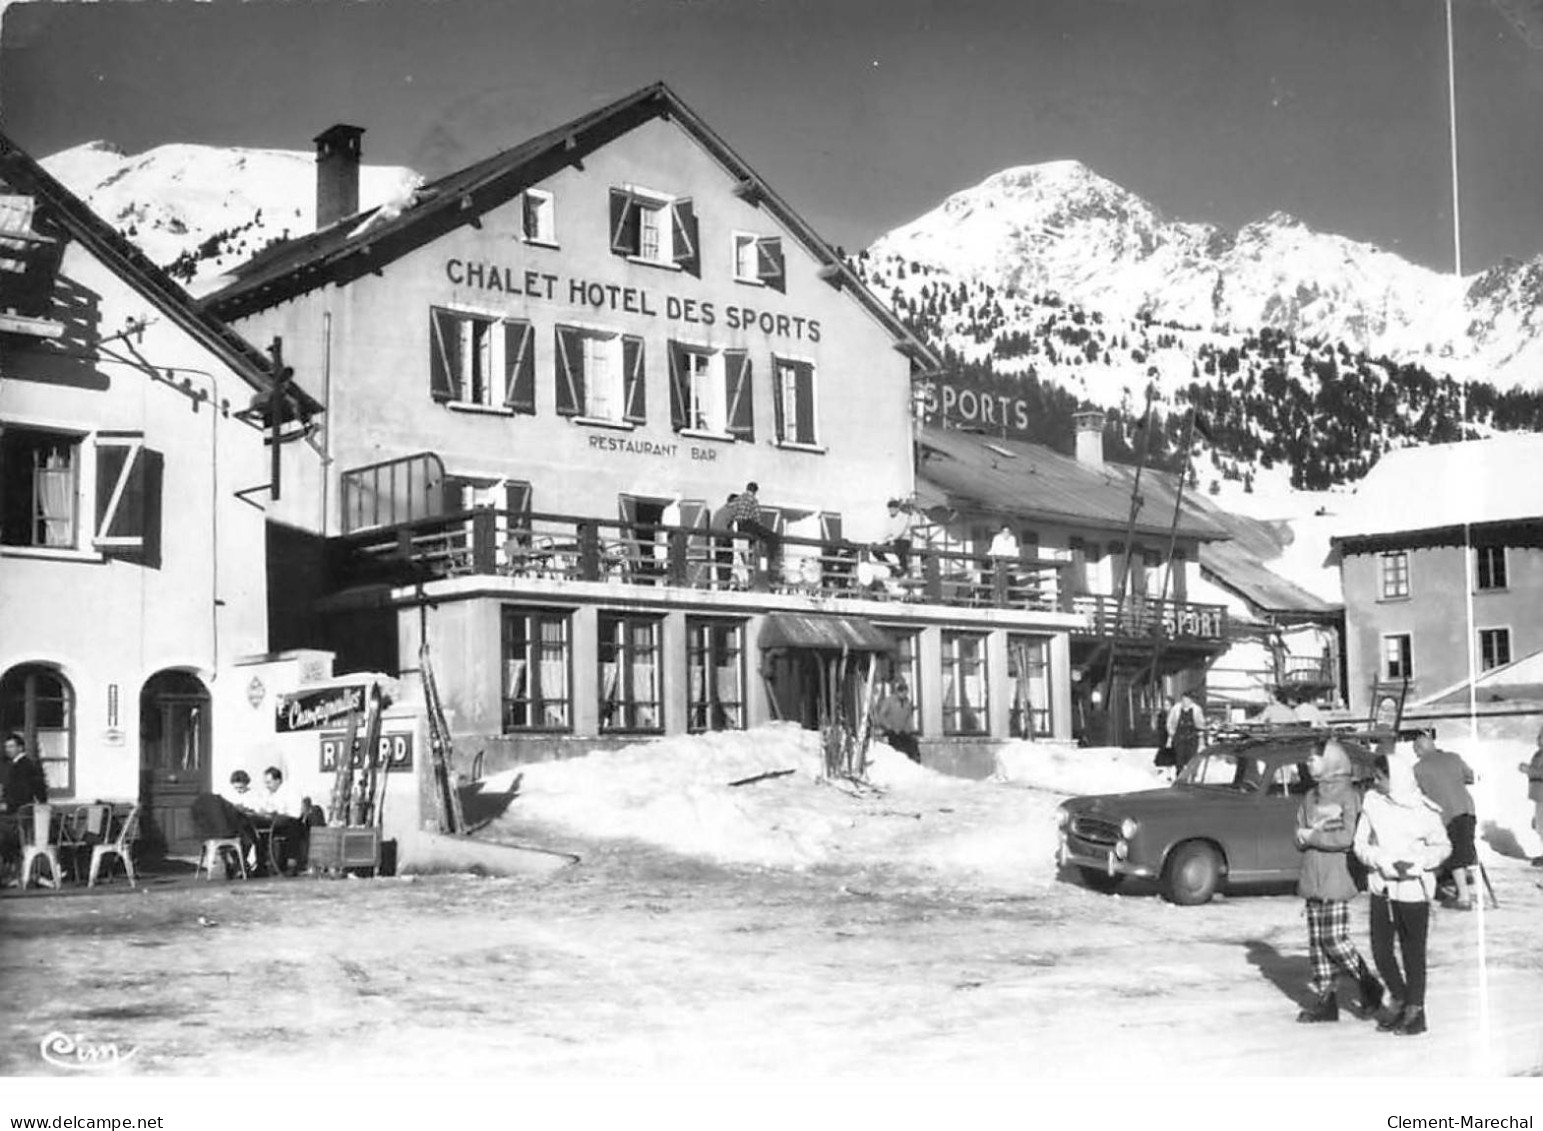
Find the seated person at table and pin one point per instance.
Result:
(216, 817)
(291, 816)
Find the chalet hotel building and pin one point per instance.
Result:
(541, 378)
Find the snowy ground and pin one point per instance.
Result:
(783, 930)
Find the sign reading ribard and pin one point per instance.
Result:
(395, 752)
(327, 706)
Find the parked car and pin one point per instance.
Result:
(1228, 819)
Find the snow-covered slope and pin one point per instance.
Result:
(1062, 229)
(201, 209)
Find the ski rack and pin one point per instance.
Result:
(1380, 739)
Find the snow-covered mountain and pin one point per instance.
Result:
(199, 209)
(1060, 228)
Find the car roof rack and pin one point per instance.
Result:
(1377, 738)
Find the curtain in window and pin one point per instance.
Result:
(54, 498)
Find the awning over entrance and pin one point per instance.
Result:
(830, 634)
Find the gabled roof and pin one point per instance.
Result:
(1239, 564)
(22, 174)
(365, 242)
(1439, 486)
(968, 471)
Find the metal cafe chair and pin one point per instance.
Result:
(84, 826)
(122, 846)
(38, 842)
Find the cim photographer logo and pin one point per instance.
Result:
(63, 1051)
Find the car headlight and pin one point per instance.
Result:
(1121, 850)
(1128, 827)
(1063, 818)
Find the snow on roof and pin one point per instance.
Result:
(1441, 485)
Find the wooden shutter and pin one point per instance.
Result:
(570, 371)
(780, 371)
(769, 268)
(680, 395)
(741, 400)
(803, 385)
(625, 226)
(1077, 576)
(636, 394)
(1177, 588)
(520, 366)
(530, 214)
(683, 218)
(444, 355)
(128, 500)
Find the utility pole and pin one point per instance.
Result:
(282, 376)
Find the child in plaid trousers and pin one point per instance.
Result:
(1326, 822)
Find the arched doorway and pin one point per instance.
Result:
(38, 703)
(175, 730)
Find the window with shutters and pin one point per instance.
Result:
(538, 217)
(758, 260)
(601, 377)
(61, 491)
(711, 394)
(39, 488)
(1490, 567)
(794, 384)
(480, 362)
(654, 227)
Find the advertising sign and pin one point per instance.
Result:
(312, 710)
(395, 751)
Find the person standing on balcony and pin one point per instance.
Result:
(1326, 823)
(896, 539)
(723, 520)
(748, 521)
(1186, 730)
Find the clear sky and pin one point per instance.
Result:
(863, 114)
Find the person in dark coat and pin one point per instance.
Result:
(1326, 822)
(1444, 777)
(892, 719)
(25, 784)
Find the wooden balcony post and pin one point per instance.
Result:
(589, 551)
(484, 538)
(677, 557)
(932, 577)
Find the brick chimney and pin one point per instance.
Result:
(337, 173)
(1090, 437)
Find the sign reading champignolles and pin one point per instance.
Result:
(321, 707)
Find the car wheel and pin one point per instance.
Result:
(1099, 880)
(1193, 873)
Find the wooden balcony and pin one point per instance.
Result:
(490, 542)
(1147, 618)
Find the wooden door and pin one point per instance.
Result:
(174, 741)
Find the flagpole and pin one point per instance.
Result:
(1486, 1053)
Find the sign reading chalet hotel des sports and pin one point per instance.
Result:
(599, 296)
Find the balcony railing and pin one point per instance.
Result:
(491, 542)
(1148, 617)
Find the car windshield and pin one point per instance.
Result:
(1222, 769)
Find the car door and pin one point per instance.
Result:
(1287, 781)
